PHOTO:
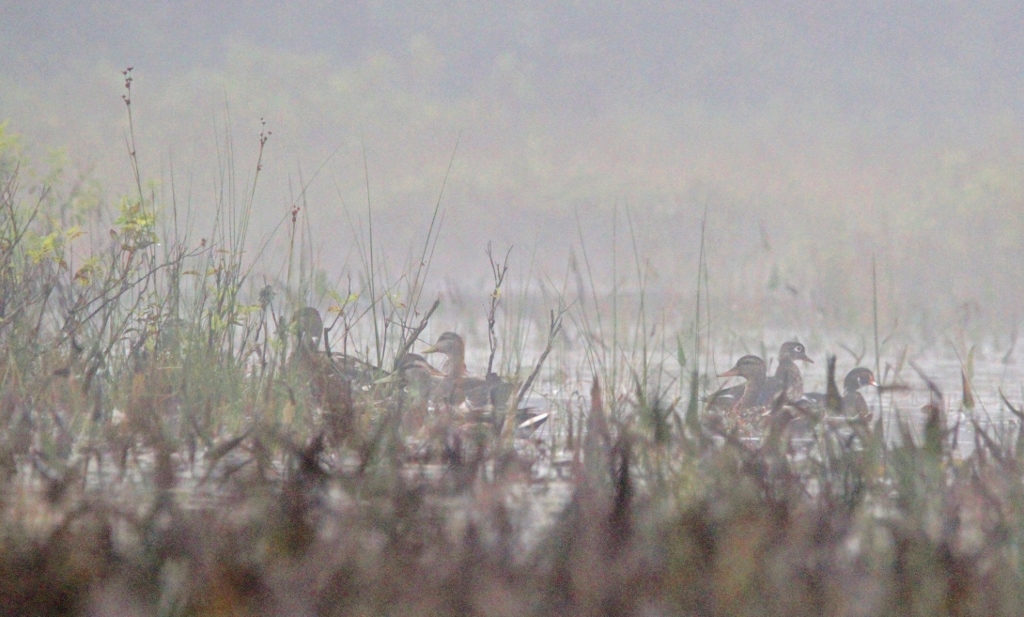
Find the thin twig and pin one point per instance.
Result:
(498, 272)
(553, 330)
(411, 339)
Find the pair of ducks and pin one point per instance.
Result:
(787, 386)
(453, 388)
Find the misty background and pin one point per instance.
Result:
(816, 136)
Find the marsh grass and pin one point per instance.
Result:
(163, 452)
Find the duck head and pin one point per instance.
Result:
(449, 343)
(858, 377)
(793, 351)
(751, 368)
(309, 327)
(412, 368)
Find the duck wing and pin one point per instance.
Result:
(358, 372)
(490, 392)
(854, 405)
(816, 399)
(530, 419)
(769, 391)
(725, 399)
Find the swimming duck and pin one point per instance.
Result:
(787, 374)
(486, 399)
(306, 359)
(451, 391)
(852, 403)
(415, 379)
(755, 393)
(309, 328)
(492, 391)
(309, 332)
(457, 388)
(328, 386)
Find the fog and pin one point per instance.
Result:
(816, 137)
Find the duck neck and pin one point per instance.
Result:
(455, 366)
(304, 352)
(788, 374)
(452, 386)
(750, 392)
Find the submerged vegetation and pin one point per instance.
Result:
(178, 438)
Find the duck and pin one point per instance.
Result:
(309, 328)
(416, 376)
(451, 390)
(309, 334)
(329, 387)
(756, 391)
(415, 379)
(852, 404)
(457, 387)
(787, 377)
(486, 398)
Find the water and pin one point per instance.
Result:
(534, 501)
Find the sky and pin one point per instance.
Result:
(815, 136)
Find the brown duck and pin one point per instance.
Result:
(787, 374)
(415, 380)
(324, 368)
(486, 398)
(457, 387)
(756, 390)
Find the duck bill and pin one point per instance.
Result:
(431, 349)
(392, 378)
(805, 358)
(733, 372)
